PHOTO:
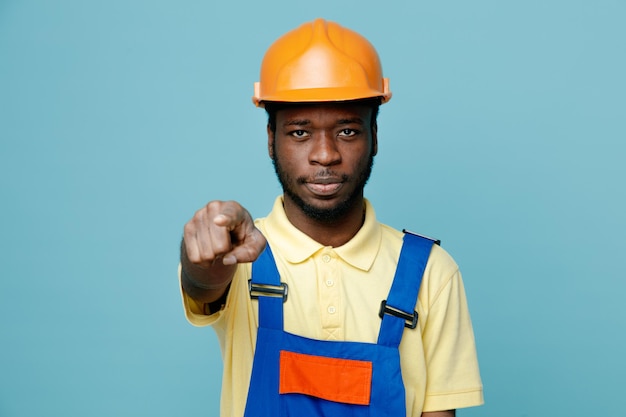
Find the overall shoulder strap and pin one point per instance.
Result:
(265, 286)
(398, 310)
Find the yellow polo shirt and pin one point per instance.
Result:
(335, 294)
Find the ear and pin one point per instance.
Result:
(270, 142)
(374, 139)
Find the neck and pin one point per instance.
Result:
(335, 232)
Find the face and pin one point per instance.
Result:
(323, 156)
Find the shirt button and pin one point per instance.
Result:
(326, 258)
(332, 310)
(330, 282)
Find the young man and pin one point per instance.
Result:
(316, 306)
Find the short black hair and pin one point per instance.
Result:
(272, 107)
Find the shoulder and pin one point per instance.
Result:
(442, 279)
(441, 274)
(439, 261)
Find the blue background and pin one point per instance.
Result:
(118, 119)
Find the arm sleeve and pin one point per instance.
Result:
(453, 378)
(194, 310)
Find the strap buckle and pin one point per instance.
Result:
(435, 241)
(266, 290)
(410, 320)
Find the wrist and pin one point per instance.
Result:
(189, 280)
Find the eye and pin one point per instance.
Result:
(299, 134)
(346, 133)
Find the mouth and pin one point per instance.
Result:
(324, 187)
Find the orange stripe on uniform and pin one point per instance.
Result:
(340, 380)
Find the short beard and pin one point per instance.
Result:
(323, 215)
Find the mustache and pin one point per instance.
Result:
(321, 175)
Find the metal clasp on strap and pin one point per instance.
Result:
(410, 319)
(278, 291)
(435, 241)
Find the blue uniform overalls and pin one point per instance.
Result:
(298, 376)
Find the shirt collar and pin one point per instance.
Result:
(296, 246)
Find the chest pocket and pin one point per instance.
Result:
(346, 381)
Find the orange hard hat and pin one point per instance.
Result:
(321, 61)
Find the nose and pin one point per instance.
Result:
(324, 150)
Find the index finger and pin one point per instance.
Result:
(231, 215)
